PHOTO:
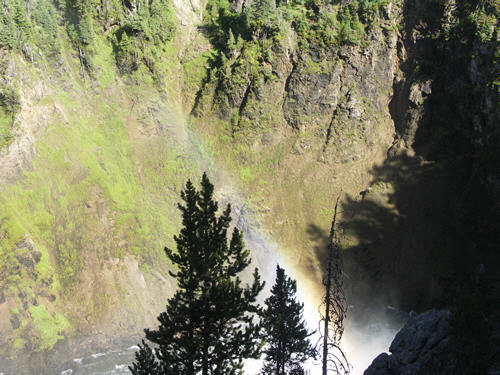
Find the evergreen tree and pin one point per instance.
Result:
(284, 329)
(146, 363)
(261, 10)
(208, 324)
(260, 18)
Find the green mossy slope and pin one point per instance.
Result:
(103, 161)
(297, 100)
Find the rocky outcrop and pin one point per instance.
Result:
(422, 346)
(405, 122)
(392, 122)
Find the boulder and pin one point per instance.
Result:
(420, 347)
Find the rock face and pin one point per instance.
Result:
(421, 347)
(404, 122)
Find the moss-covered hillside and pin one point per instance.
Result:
(108, 106)
(93, 156)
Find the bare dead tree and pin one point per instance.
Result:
(333, 308)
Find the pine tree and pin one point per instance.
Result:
(146, 363)
(284, 329)
(260, 18)
(261, 10)
(208, 324)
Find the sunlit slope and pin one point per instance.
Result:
(395, 103)
(100, 101)
(83, 223)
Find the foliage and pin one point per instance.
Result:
(351, 30)
(45, 25)
(15, 27)
(10, 101)
(50, 327)
(224, 25)
(146, 363)
(10, 98)
(138, 34)
(151, 26)
(485, 19)
(471, 18)
(208, 323)
(36, 23)
(80, 16)
(93, 192)
(248, 41)
(260, 10)
(73, 165)
(371, 10)
(6, 122)
(285, 333)
(262, 19)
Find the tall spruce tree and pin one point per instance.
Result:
(208, 324)
(284, 329)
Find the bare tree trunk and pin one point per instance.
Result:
(335, 307)
(204, 360)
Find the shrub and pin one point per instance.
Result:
(10, 98)
(154, 25)
(15, 28)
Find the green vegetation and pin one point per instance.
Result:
(45, 19)
(93, 160)
(10, 101)
(287, 344)
(141, 37)
(485, 19)
(19, 344)
(208, 324)
(470, 18)
(15, 27)
(97, 188)
(10, 98)
(318, 23)
(50, 327)
(249, 43)
(139, 31)
(107, 168)
(6, 122)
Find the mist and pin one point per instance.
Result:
(368, 331)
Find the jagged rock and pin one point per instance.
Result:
(379, 365)
(421, 346)
(419, 90)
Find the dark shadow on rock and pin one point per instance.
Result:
(431, 215)
(320, 238)
(401, 250)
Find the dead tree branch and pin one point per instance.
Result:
(333, 307)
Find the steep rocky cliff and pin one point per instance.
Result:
(402, 116)
(394, 103)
